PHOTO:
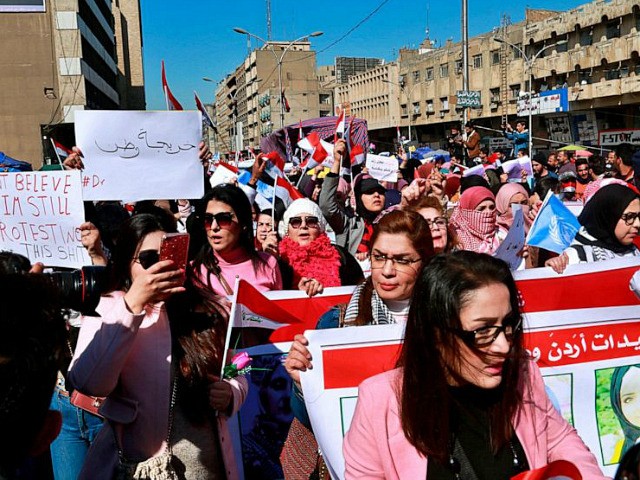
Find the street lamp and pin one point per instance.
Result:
(409, 95)
(529, 61)
(279, 60)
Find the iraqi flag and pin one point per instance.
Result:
(339, 127)
(285, 102)
(357, 155)
(275, 165)
(172, 102)
(318, 148)
(205, 115)
(61, 151)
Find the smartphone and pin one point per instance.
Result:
(175, 246)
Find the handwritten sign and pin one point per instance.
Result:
(382, 168)
(140, 155)
(39, 217)
(514, 168)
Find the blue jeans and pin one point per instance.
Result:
(79, 428)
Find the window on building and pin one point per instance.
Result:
(444, 103)
(401, 79)
(444, 70)
(403, 109)
(636, 21)
(584, 77)
(458, 67)
(586, 36)
(428, 74)
(416, 76)
(495, 57)
(562, 47)
(477, 61)
(514, 90)
(416, 108)
(612, 74)
(495, 95)
(430, 108)
(517, 52)
(613, 28)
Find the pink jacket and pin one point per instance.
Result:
(375, 445)
(127, 358)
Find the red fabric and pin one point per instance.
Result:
(474, 196)
(319, 260)
(365, 246)
(476, 230)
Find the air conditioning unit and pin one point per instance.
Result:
(442, 114)
(493, 105)
(429, 108)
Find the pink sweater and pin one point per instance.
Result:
(263, 276)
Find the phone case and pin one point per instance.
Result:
(175, 246)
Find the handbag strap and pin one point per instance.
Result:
(224, 283)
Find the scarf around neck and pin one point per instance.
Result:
(476, 230)
(319, 260)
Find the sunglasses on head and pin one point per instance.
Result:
(223, 219)
(311, 222)
(147, 258)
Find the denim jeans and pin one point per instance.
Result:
(79, 429)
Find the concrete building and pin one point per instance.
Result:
(591, 59)
(346, 67)
(72, 55)
(248, 100)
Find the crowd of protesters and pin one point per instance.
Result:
(420, 252)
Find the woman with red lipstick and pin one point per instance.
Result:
(308, 260)
(230, 251)
(465, 401)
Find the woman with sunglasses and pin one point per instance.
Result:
(308, 260)
(230, 252)
(465, 401)
(610, 222)
(400, 246)
(155, 353)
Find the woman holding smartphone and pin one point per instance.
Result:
(155, 353)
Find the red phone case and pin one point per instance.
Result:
(175, 246)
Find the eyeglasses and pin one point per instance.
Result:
(311, 222)
(630, 218)
(379, 260)
(223, 219)
(147, 258)
(436, 223)
(487, 335)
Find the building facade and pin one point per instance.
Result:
(588, 56)
(72, 55)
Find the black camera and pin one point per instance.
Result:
(81, 289)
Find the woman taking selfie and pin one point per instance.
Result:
(465, 401)
(155, 352)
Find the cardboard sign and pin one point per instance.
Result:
(140, 155)
(40, 213)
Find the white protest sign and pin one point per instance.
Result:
(384, 169)
(514, 168)
(584, 338)
(514, 241)
(130, 155)
(40, 213)
(476, 170)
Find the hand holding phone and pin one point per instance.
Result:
(175, 246)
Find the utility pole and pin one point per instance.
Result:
(504, 69)
(269, 20)
(465, 56)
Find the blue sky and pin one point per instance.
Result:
(196, 39)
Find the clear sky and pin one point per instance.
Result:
(196, 38)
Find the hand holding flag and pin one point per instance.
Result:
(555, 227)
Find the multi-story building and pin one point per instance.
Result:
(346, 67)
(587, 56)
(69, 55)
(248, 100)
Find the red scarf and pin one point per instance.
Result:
(476, 230)
(319, 260)
(365, 243)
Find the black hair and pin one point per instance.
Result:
(13, 263)
(597, 164)
(545, 184)
(431, 352)
(630, 430)
(128, 240)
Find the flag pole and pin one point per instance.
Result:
(166, 97)
(273, 201)
(56, 152)
(230, 325)
(304, 171)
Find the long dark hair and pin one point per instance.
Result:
(131, 233)
(631, 431)
(238, 201)
(440, 293)
(396, 222)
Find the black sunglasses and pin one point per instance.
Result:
(223, 219)
(147, 258)
(296, 222)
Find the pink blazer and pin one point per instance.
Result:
(375, 445)
(127, 358)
